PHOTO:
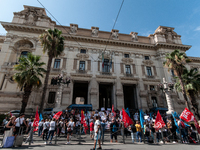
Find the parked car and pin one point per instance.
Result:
(14, 113)
(47, 111)
(87, 107)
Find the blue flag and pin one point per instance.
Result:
(174, 116)
(127, 111)
(41, 117)
(142, 118)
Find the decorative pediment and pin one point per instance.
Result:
(23, 44)
(127, 60)
(82, 56)
(115, 34)
(147, 62)
(95, 31)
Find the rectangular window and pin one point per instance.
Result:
(152, 88)
(106, 66)
(83, 51)
(146, 57)
(57, 64)
(149, 72)
(126, 55)
(128, 69)
(52, 96)
(82, 65)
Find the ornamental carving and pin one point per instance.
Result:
(82, 56)
(95, 31)
(168, 33)
(107, 55)
(115, 34)
(93, 91)
(23, 44)
(134, 36)
(127, 60)
(147, 62)
(73, 28)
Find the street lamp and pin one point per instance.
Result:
(167, 88)
(59, 80)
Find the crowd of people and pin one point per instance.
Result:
(104, 121)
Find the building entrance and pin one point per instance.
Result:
(130, 99)
(105, 95)
(80, 93)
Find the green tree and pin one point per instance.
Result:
(29, 71)
(53, 44)
(191, 79)
(176, 61)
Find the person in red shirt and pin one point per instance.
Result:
(91, 129)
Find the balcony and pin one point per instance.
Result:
(150, 77)
(81, 71)
(9, 65)
(128, 74)
(106, 73)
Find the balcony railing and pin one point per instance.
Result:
(150, 77)
(81, 71)
(129, 74)
(55, 69)
(9, 64)
(106, 73)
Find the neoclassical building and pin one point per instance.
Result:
(133, 65)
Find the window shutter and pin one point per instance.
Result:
(154, 70)
(134, 69)
(143, 70)
(98, 65)
(89, 65)
(64, 63)
(122, 67)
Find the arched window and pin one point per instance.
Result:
(24, 54)
(154, 101)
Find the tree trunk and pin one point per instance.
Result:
(194, 103)
(184, 92)
(46, 83)
(27, 93)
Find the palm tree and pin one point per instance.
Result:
(191, 79)
(29, 70)
(176, 61)
(53, 44)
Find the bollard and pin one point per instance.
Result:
(56, 136)
(123, 132)
(31, 136)
(79, 136)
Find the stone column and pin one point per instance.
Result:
(59, 97)
(119, 95)
(168, 98)
(66, 99)
(94, 93)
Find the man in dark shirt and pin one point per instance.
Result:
(114, 129)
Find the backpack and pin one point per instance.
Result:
(114, 129)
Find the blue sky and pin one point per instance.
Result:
(142, 16)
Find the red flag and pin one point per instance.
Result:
(36, 121)
(114, 113)
(126, 119)
(83, 121)
(187, 115)
(159, 123)
(57, 115)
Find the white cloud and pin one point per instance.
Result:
(198, 28)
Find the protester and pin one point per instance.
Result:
(132, 129)
(91, 129)
(51, 131)
(70, 127)
(18, 123)
(97, 133)
(113, 129)
(139, 131)
(45, 129)
(40, 127)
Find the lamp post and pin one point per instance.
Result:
(167, 88)
(59, 80)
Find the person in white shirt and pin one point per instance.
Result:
(40, 127)
(51, 130)
(70, 126)
(45, 128)
(97, 132)
(19, 121)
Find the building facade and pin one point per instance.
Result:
(132, 69)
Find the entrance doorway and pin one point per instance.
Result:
(105, 95)
(130, 99)
(80, 93)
